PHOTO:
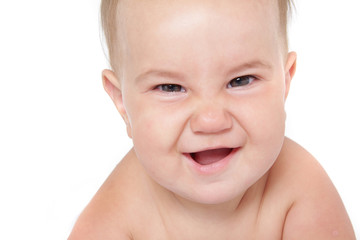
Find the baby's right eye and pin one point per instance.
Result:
(171, 88)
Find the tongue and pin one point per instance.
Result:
(210, 156)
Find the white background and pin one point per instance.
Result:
(60, 135)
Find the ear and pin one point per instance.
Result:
(290, 69)
(112, 87)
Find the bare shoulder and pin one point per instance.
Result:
(316, 210)
(108, 215)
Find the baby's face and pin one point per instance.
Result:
(204, 85)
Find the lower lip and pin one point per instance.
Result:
(212, 168)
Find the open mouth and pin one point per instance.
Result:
(210, 156)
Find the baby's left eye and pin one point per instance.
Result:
(241, 81)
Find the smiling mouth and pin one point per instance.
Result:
(210, 156)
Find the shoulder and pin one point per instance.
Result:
(316, 210)
(109, 214)
(94, 224)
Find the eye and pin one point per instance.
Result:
(170, 88)
(241, 81)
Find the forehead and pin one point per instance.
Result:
(194, 29)
(136, 13)
(162, 6)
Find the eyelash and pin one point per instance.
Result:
(248, 80)
(175, 88)
(170, 88)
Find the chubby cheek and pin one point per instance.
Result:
(269, 124)
(154, 126)
(265, 127)
(155, 130)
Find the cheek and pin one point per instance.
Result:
(265, 127)
(155, 129)
(154, 126)
(268, 113)
(155, 133)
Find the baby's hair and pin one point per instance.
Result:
(285, 10)
(109, 11)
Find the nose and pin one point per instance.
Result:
(211, 119)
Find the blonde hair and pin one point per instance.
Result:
(109, 10)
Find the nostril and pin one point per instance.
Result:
(211, 122)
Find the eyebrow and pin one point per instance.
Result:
(177, 75)
(250, 65)
(159, 73)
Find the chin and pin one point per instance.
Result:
(217, 200)
(213, 195)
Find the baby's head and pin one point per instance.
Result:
(201, 85)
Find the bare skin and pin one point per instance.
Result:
(295, 200)
(202, 90)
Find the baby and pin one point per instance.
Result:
(201, 86)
